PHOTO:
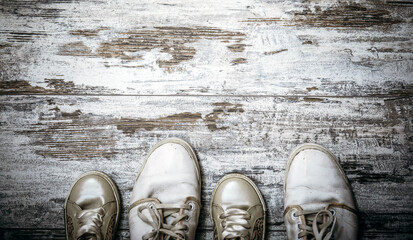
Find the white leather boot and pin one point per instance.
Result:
(165, 201)
(318, 201)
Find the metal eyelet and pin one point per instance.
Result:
(294, 216)
(191, 206)
(333, 211)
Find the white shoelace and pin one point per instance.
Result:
(175, 230)
(319, 224)
(90, 222)
(235, 224)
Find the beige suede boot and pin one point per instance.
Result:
(165, 201)
(318, 201)
(237, 209)
(92, 208)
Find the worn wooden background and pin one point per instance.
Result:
(93, 85)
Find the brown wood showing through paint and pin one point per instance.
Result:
(83, 133)
(93, 85)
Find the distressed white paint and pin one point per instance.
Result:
(228, 119)
(256, 141)
(344, 61)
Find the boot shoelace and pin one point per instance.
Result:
(235, 224)
(175, 230)
(319, 224)
(90, 222)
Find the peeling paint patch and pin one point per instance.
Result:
(312, 99)
(180, 120)
(309, 89)
(38, 9)
(71, 136)
(75, 49)
(87, 32)
(19, 87)
(212, 120)
(275, 52)
(390, 50)
(350, 15)
(130, 126)
(171, 40)
(75, 135)
(308, 42)
(239, 61)
(191, 89)
(54, 86)
(236, 47)
(71, 115)
(365, 173)
(22, 36)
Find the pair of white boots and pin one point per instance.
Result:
(165, 202)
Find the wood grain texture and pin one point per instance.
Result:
(47, 141)
(184, 47)
(93, 85)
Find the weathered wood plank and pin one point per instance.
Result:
(184, 47)
(47, 141)
(313, 61)
(57, 234)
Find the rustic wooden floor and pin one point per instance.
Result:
(93, 85)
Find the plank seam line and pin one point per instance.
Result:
(118, 229)
(216, 95)
(199, 228)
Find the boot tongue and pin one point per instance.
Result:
(314, 206)
(169, 216)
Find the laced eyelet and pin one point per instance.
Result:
(333, 211)
(187, 218)
(191, 206)
(294, 216)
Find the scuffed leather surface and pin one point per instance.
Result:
(314, 181)
(170, 176)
